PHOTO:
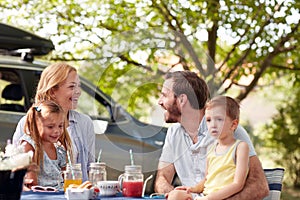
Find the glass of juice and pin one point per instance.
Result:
(132, 188)
(131, 181)
(72, 175)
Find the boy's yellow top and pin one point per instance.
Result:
(221, 169)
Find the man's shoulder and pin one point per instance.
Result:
(240, 132)
(175, 131)
(175, 128)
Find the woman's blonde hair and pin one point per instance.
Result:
(30, 128)
(51, 78)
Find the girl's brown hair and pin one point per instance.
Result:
(30, 128)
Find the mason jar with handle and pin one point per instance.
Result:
(131, 182)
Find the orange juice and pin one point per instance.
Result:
(67, 182)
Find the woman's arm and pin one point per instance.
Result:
(242, 161)
(91, 141)
(256, 186)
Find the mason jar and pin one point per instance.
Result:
(131, 182)
(72, 175)
(97, 172)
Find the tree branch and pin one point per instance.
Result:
(235, 45)
(247, 52)
(267, 62)
(179, 34)
(284, 67)
(124, 58)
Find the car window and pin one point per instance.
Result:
(89, 105)
(12, 97)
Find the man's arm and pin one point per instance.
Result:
(256, 186)
(164, 177)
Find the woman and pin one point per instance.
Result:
(60, 83)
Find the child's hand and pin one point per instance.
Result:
(201, 198)
(181, 188)
(179, 195)
(189, 189)
(27, 184)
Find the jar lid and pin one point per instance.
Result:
(132, 168)
(76, 166)
(98, 164)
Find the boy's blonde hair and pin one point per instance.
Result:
(231, 105)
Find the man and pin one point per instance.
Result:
(183, 97)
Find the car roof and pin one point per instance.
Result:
(13, 39)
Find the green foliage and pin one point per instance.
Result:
(126, 46)
(282, 134)
(234, 45)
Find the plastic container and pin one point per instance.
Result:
(131, 181)
(77, 194)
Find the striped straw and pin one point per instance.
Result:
(131, 157)
(99, 156)
(70, 163)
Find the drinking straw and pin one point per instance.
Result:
(99, 156)
(145, 184)
(70, 163)
(131, 157)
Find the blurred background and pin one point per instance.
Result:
(248, 50)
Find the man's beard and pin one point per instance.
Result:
(173, 113)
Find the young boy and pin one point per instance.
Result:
(227, 160)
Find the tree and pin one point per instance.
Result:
(233, 44)
(127, 45)
(283, 132)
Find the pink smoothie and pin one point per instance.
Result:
(132, 189)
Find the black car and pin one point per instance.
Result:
(116, 130)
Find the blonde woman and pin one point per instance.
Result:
(60, 83)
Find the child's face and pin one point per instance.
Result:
(50, 126)
(218, 122)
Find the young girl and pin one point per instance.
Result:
(227, 160)
(46, 135)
